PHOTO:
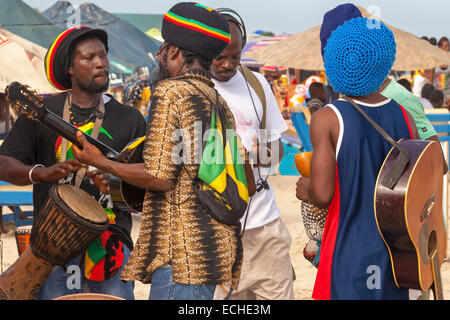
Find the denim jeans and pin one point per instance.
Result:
(163, 288)
(60, 283)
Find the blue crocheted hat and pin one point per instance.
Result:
(334, 18)
(358, 57)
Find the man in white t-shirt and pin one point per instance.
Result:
(266, 270)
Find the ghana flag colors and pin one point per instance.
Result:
(197, 26)
(222, 171)
(104, 257)
(87, 128)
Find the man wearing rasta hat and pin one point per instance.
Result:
(181, 249)
(348, 154)
(77, 63)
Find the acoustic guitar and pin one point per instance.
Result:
(408, 210)
(123, 194)
(409, 216)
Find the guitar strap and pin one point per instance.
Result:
(256, 85)
(95, 131)
(402, 160)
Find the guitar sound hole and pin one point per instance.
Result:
(432, 243)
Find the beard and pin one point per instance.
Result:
(163, 70)
(92, 86)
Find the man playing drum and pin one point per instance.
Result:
(32, 153)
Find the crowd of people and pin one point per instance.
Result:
(183, 248)
(431, 86)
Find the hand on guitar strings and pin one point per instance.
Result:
(100, 179)
(90, 154)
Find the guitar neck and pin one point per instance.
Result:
(437, 284)
(69, 131)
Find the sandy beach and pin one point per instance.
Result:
(290, 211)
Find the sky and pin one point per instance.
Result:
(422, 18)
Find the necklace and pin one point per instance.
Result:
(99, 112)
(72, 118)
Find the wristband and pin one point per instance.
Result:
(31, 172)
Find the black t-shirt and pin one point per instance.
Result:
(31, 142)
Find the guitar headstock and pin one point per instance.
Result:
(25, 100)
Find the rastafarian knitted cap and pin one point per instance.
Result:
(197, 28)
(57, 59)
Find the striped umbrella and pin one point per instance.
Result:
(260, 42)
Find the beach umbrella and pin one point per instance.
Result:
(22, 60)
(129, 47)
(259, 42)
(22, 20)
(302, 51)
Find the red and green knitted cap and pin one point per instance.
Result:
(57, 62)
(197, 28)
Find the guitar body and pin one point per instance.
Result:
(123, 194)
(410, 218)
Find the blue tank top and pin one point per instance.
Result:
(354, 260)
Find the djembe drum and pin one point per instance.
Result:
(313, 217)
(22, 235)
(65, 226)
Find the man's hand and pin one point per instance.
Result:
(100, 179)
(266, 155)
(90, 154)
(302, 189)
(57, 171)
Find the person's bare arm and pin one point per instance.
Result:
(134, 174)
(16, 172)
(319, 188)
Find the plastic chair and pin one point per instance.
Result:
(440, 119)
(14, 200)
(302, 128)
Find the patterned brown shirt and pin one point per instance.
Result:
(175, 227)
